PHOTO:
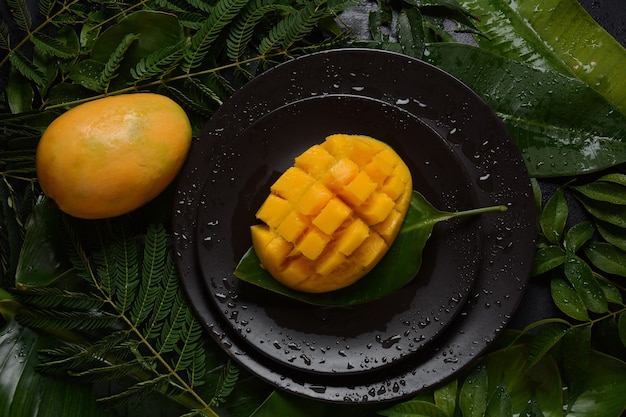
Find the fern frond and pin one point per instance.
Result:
(45, 7)
(49, 297)
(292, 28)
(186, 100)
(191, 20)
(27, 68)
(113, 63)
(226, 384)
(109, 372)
(164, 302)
(241, 33)
(172, 328)
(42, 318)
(52, 46)
(221, 16)
(138, 391)
(21, 14)
(76, 356)
(206, 90)
(158, 63)
(124, 253)
(152, 273)
(191, 338)
(5, 36)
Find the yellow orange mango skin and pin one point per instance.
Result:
(332, 216)
(112, 155)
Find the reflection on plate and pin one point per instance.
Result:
(474, 272)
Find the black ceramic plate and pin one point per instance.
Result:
(460, 156)
(338, 340)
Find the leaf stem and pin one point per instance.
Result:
(481, 210)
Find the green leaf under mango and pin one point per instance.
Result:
(397, 268)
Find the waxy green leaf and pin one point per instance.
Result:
(397, 268)
(607, 258)
(562, 126)
(474, 393)
(578, 235)
(554, 216)
(547, 258)
(580, 275)
(568, 300)
(554, 35)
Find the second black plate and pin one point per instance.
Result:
(323, 340)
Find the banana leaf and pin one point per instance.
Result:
(562, 126)
(554, 35)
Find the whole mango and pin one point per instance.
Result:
(110, 156)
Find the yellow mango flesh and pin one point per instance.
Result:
(332, 216)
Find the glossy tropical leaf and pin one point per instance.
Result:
(607, 258)
(554, 35)
(474, 393)
(414, 408)
(578, 235)
(25, 392)
(547, 258)
(545, 339)
(397, 268)
(554, 216)
(612, 214)
(580, 275)
(612, 234)
(603, 391)
(509, 366)
(567, 300)
(42, 258)
(606, 191)
(562, 126)
(576, 352)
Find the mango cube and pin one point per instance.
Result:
(332, 216)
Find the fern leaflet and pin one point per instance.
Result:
(52, 46)
(21, 14)
(221, 16)
(242, 31)
(226, 384)
(27, 68)
(292, 28)
(114, 61)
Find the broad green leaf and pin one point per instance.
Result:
(282, 404)
(610, 290)
(568, 300)
(562, 126)
(397, 268)
(613, 234)
(607, 258)
(410, 32)
(576, 351)
(24, 392)
(554, 34)
(414, 408)
(547, 258)
(603, 392)
(614, 177)
(19, 92)
(154, 30)
(446, 397)
(609, 192)
(578, 235)
(474, 393)
(580, 275)
(545, 339)
(522, 383)
(42, 258)
(554, 216)
(606, 212)
(621, 326)
(499, 404)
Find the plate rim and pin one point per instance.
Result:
(306, 388)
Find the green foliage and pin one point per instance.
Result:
(119, 310)
(130, 284)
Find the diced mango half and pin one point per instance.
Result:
(331, 217)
